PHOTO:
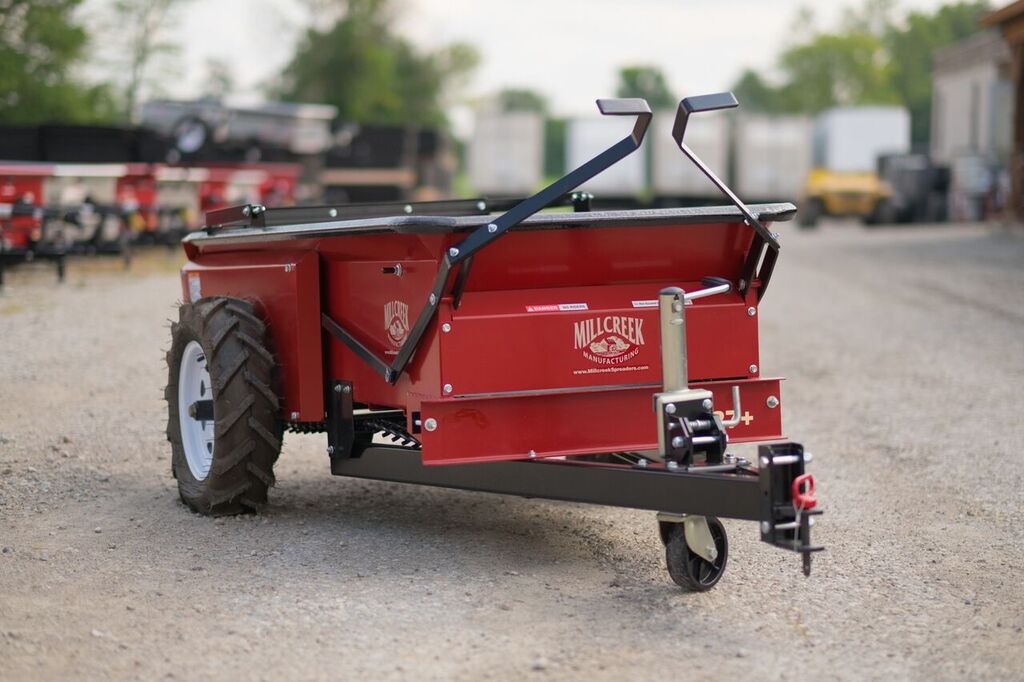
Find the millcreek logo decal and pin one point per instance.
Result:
(396, 322)
(610, 340)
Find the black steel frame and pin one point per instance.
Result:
(763, 237)
(753, 494)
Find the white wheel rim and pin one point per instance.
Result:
(194, 385)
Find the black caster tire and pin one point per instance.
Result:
(689, 570)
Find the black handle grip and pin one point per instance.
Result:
(715, 282)
(632, 106)
(696, 105)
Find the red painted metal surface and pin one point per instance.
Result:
(554, 348)
(578, 337)
(21, 184)
(285, 287)
(553, 424)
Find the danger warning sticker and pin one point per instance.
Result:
(652, 303)
(556, 308)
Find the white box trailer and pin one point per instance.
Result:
(850, 139)
(506, 153)
(772, 156)
(673, 176)
(585, 138)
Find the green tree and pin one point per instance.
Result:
(876, 59)
(139, 27)
(522, 99)
(757, 95)
(911, 46)
(220, 79)
(834, 70)
(647, 82)
(40, 46)
(369, 73)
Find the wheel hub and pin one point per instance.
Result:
(195, 410)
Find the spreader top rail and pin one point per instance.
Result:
(441, 223)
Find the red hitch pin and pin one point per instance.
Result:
(803, 498)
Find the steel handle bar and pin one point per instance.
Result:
(714, 286)
(486, 234)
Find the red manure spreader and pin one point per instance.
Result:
(605, 357)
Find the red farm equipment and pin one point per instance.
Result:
(604, 357)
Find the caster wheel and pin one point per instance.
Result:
(688, 569)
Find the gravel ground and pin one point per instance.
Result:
(904, 350)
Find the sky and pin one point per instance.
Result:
(569, 50)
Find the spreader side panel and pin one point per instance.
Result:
(481, 429)
(590, 256)
(285, 288)
(587, 337)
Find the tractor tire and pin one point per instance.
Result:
(220, 365)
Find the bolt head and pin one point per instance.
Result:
(706, 404)
(678, 442)
(751, 311)
(670, 409)
(481, 206)
(764, 461)
(672, 465)
(448, 388)
(446, 327)
(492, 228)
(433, 299)
(531, 454)
(430, 424)
(753, 369)
(295, 416)
(641, 462)
(346, 389)
(766, 527)
(338, 388)
(407, 208)
(453, 252)
(333, 213)
(772, 402)
(330, 449)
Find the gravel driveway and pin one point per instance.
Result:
(904, 352)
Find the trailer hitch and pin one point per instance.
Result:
(788, 504)
(688, 427)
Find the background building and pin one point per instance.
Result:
(971, 123)
(1010, 23)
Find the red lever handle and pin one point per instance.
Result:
(803, 498)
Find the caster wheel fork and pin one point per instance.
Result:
(688, 568)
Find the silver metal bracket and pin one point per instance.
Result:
(697, 533)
